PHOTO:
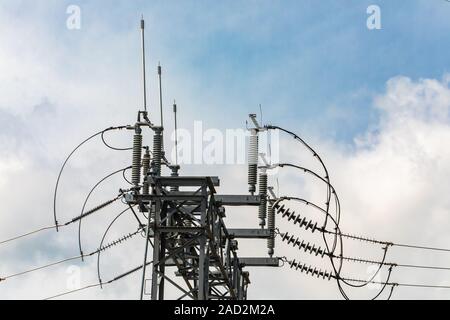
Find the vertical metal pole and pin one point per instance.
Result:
(143, 62)
(202, 277)
(176, 129)
(162, 253)
(147, 238)
(161, 104)
(156, 248)
(156, 253)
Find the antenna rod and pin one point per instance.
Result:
(176, 129)
(143, 61)
(161, 103)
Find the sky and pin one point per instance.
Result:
(374, 104)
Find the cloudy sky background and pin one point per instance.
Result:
(375, 104)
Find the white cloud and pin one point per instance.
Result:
(393, 183)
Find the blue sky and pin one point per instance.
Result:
(308, 62)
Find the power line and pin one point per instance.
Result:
(303, 223)
(67, 159)
(73, 291)
(39, 268)
(29, 234)
(77, 218)
(420, 247)
(123, 275)
(400, 284)
(318, 251)
(327, 275)
(100, 249)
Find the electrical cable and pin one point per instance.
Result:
(67, 159)
(29, 233)
(103, 239)
(123, 275)
(125, 178)
(291, 216)
(316, 155)
(111, 147)
(72, 291)
(87, 198)
(327, 275)
(410, 246)
(333, 191)
(85, 214)
(330, 254)
(100, 249)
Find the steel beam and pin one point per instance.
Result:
(237, 200)
(249, 233)
(259, 262)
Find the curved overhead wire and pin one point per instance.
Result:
(337, 270)
(103, 239)
(125, 178)
(67, 159)
(326, 211)
(332, 191)
(111, 147)
(87, 198)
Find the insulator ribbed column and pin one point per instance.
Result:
(253, 161)
(145, 168)
(271, 227)
(262, 212)
(157, 150)
(136, 161)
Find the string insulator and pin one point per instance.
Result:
(91, 211)
(157, 151)
(253, 161)
(145, 168)
(271, 227)
(118, 241)
(297, 219)
(326, 275)
(306, 246)
(136, 161)
(262, 211)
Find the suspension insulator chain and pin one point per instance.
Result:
(91, 211)
(304, 223)
(116, 242)
(297, 219)
(310, 270)
(306, 246)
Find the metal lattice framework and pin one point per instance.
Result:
(190, 236)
